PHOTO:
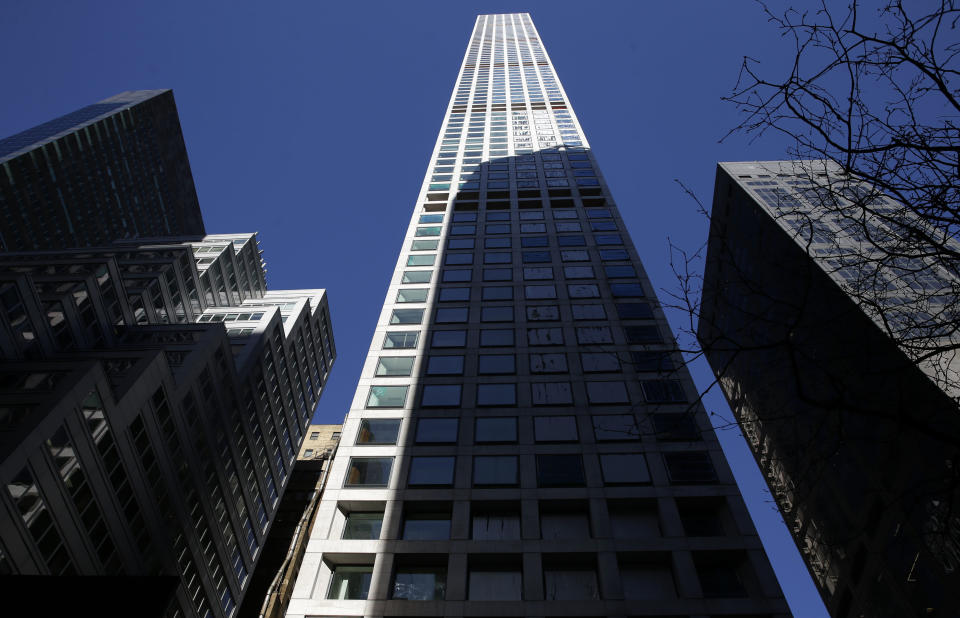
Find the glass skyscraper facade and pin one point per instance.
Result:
(524, 439)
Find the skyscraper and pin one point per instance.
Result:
(111, 170)
(153, 392)
(832, 333)
(524, 440)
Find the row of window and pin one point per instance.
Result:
(525, 215)
(561, 520)
(504, 337)
(608, 392)
(499, 313)
(506, 364)
(683, 467)
(546, 429)
(566, 577)
(462, 275)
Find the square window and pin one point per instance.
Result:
(618, 271)
(436, 431)
(504, 583)
(495, 429)
(415, 295)
(433, 230)
(608, 239)
(440, 395)
(460, 243)
(497, 257)
(497, 274)
(458, 275)
(416, 276)
(560, 471)
(406, 316)
(496, 394)
(573, 240)
(603, 226)
(598, 213)
(496, 337)
(540, 292)
(624, 468)
(594, 335)
(350, 582)
(363, 526)
(451, 295)
(680, 427)
(599, 393)
(575, 255)
(431, 218)
(535, 257)
(424, 245)
(568, 226)
(544, 336)
(445, 366)
(463, 230)
(498, 216)
(657, 361)
(531, 215)
(608, 255)
(501, 292)
(368, 472)
(498, 228)
(431, 471)
(555, 429)
(634, 311)
(548, 363)
(421, 260)
(543, 313)
(449, 339)
(571, 584)
(690, 467)
(378, 431)
(499, 470)
(564, 214)
(495, 522)
(642, 334)
(419, 583)
(626, 290)
(578, 272)
(533, 228)
(458, 259)
(583, 290)
(394, 365)
(535, 273)
(552, 393)
(426, 525)
(600, 362)
(497, 243)
(451, 315)
(663, 391)
(534, 241)
(493, 364)
(401, 340)
(615, 427)
(387, 396)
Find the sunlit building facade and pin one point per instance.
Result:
(524, 440)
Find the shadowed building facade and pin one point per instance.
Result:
(824, 332)
(153, 393)
(524, 440)
(115, 169)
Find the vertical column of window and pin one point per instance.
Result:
(99, 432)
(74, 480)
(29, 502)
(188, 491)
(250, 477)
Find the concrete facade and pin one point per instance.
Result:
(524, 440)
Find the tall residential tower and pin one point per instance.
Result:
(524, 440)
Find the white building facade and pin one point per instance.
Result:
(524, 440)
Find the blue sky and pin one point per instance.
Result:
(313, 122)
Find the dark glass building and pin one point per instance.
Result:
(115, 169)
(812, 319)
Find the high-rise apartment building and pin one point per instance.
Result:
(115, 169)
(832, 333)
(153, 398)
(524, 439)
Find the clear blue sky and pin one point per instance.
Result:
(312, 123)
